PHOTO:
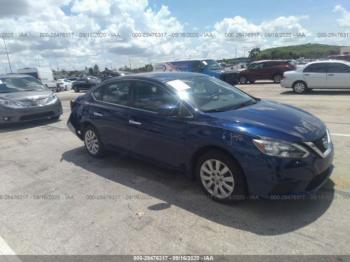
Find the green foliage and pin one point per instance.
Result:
(310, 51)
(254, 53)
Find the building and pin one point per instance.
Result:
(345, 50)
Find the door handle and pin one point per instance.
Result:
(306, 74)
(97, 114)
(330, 74)
(132, 122)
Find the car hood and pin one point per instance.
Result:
(273, 120)
(28, 95)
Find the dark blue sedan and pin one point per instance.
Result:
(233, 144)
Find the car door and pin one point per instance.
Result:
(109, 113)
(255, 71)
(266, 71)
(338, 75)
(315, 75)
(153, 135)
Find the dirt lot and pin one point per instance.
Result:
(55, 199)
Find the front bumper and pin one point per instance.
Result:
(286, 83)
(9, 115)
(270, 176)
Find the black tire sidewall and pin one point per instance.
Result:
(240, 189)
(243, 82)
(280, 78)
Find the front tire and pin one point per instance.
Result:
(220, 177)
(243, 80)
(277, 78)
(93, 142)
(300, 87)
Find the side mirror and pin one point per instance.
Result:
(169, 110)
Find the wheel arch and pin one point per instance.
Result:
(299, 81)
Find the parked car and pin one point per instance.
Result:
(340, 57)
(43, 74)
(328, 74)
(85, 83)
(24, 98)
(206, 66)
(232, 143)
(64, 84)
(266, 70)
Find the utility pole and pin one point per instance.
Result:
(129, 62)
(7, 54)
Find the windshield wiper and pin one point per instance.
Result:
(247, 103)
(227, 108)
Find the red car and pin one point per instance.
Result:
(340, 57)
(266, 70)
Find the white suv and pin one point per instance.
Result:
(329, 74)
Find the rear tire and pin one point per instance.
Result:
(93, 142)
(277, 78)
(220, 177)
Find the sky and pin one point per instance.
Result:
(72, 34)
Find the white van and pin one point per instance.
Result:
(45, 75)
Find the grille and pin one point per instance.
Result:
(37, 102)
(322, 143)
(37, 116)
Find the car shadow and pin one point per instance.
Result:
(21, 126)
(263, 217)
(338, 92)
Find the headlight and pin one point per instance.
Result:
(51, 99)
(280, 148)
(10, 103)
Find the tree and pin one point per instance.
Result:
(96, 70)
(254, 53)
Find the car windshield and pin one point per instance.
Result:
(212, 65)
(20, 84)
(209, 94)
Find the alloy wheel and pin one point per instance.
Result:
(217, 178)
(277, 78)
(91, 142)
(299, 88)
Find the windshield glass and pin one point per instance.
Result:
(20, 84)
(209, 94)
(212, 65)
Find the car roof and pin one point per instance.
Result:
(157, 76)
(265, 61)
(330, 61)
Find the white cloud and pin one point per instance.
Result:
(126, 19)
(344, 21)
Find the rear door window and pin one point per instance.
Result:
(115, 93)
(338, 68)
(316, 68)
